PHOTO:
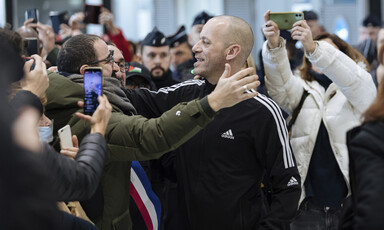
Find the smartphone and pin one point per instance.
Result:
(65, 136)
(58, 18)
(91, 13)
(92, 88)
(33, 64)
(285, 20)
(32, 45)
(32, 13)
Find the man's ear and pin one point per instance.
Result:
(82, 68)
(232, 52)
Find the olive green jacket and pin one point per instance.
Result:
(128, 137)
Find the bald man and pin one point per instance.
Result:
(220, 170)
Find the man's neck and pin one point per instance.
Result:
(215, 79)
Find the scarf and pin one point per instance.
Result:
(112, 90)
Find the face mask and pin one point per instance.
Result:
(46, 133)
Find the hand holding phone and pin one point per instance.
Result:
(285, 20)
(32, 45)
(91, 13)
(92, 88)
(65, 137)
(58, 18)
(32, 13)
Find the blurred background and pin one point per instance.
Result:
(137, 17)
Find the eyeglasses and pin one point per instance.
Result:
(108, 59)
(121, 65)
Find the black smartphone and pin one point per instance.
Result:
(91, 13)
(93, 88)
(33, 64)
(58, 18)
(32, 45)
(32, 13)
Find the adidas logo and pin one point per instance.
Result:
(228, 135)
(292, 182)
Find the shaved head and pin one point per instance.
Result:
(238, 31)
(224, 39)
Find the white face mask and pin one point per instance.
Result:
(46, 133)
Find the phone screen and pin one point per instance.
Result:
(91, 13)
(92, 89)
(32, 13)
(32, 46)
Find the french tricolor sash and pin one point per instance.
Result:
(146, 200)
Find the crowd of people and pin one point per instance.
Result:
(186, 135)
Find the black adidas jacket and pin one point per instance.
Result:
(220, 169)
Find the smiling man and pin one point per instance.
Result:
(128, 137)
(155, 53)
(219, 171)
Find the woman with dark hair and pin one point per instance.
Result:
(326, 100)
(366, 152)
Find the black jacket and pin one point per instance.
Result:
(77, 179)
(221, 168)
(366, 153)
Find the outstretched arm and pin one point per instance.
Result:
(282, 85)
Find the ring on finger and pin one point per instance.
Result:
(245, 88)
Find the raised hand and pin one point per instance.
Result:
(231, 90)
(271, 31)
(100, 117)
(302, 32)
(71, 151)
(37, 80)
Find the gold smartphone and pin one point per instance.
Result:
(285, 20)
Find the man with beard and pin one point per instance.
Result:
(155, 54)
(118, 58)
(181, 55)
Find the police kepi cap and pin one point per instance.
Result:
(178, 38)
(201, 18)
(155, 38)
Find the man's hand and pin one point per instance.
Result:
(100, 117)
(37, 80)
(71, 151)
(271, 31)
(231, 90)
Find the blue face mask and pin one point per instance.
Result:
(46, 133)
